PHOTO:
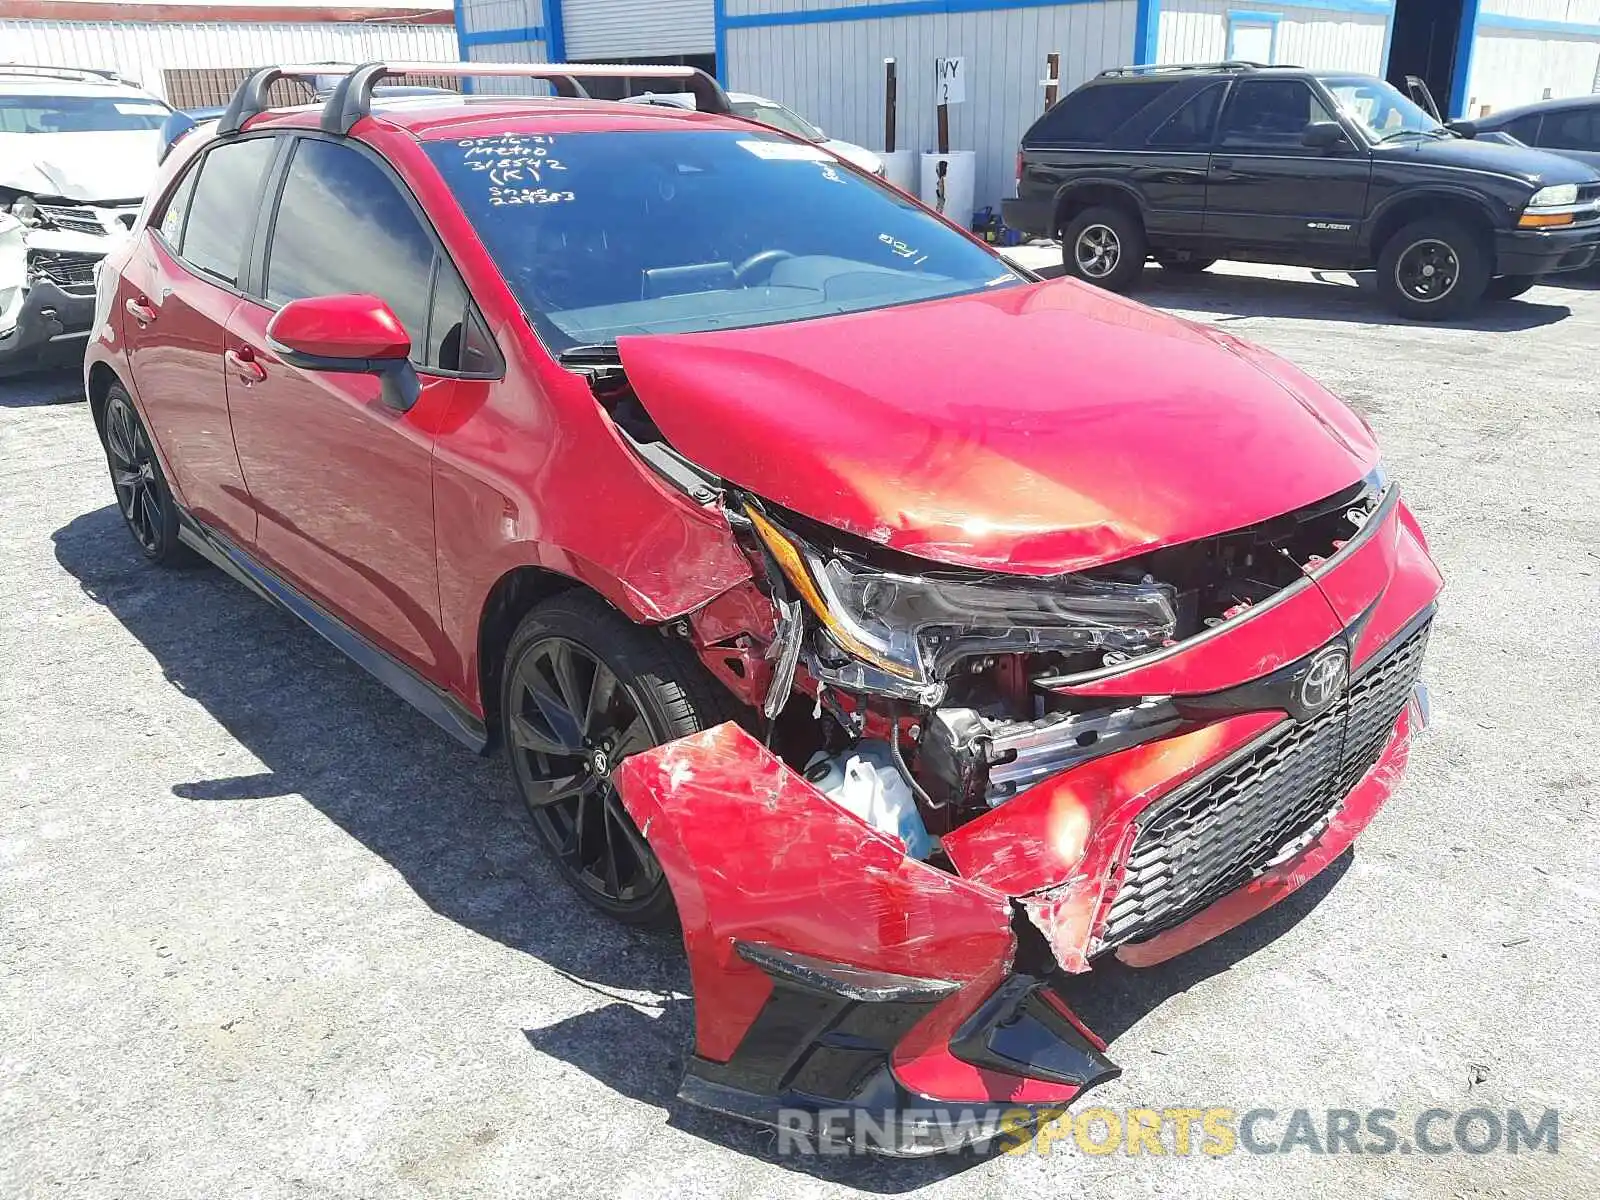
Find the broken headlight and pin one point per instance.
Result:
(914, 626)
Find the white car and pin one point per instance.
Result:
(77, 153)
(770, 112)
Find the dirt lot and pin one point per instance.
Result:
(266, 932)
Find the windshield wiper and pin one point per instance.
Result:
(598, 354)
(1399, 133)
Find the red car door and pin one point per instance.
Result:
(342, 484)
(177, 293)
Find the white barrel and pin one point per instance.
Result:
(900, 169)
(956, 199)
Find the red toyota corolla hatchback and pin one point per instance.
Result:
(910, 630)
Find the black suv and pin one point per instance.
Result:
(1189, 164)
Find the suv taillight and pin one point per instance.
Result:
(1019, 166)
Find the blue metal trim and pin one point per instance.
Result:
(555, 26)
(502, 37)
(1146, 26)
(1388, 38)
(874, 12)
(1247, 17)
(1535, 25)
(461, 29)
(1146, 33)
(1465, 41)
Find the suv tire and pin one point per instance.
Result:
(1433, 269)
(1180, 263)
(1509, 287)
(1104, 246)
(635, 689)
(143, 498)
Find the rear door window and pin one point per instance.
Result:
(1271, 115)
(1191, 127)
(1090, 115)
(1525, 129)
(1575, 129)
(222, 211)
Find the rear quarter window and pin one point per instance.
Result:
(1092, 114)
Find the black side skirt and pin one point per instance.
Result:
(443, 709)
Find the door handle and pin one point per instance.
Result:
(242, 362)
(140, 310)
(1222, 166)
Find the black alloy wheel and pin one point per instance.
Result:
(143, 499)
(570, 712)
(1434, 269)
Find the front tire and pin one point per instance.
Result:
(1433, 270)
(1509, 287)
(583, 688)
(143, 498)
(1104, 246)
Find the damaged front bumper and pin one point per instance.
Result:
(47, 296)
(836, 978)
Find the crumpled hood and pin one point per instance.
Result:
(1036, 429)
(87, 167)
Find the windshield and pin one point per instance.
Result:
(79, 114)
(605, 234)
(1380, 108)
(779, 117)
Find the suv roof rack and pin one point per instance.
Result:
(352, 97)
(1160, 68)
(81, 74)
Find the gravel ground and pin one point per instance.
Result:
(266, 932)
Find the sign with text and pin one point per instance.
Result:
(950, 80)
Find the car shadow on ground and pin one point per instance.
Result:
(453, 827)
(41, 387)
(1221, 296)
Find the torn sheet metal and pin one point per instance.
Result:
(754, 853)
(833, 973)
(1059, 845)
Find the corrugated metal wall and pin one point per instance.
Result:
(1512, 66)
(610, 29)
(1197, 31)
(832, 72)
(142, 50)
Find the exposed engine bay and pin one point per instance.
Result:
(950, 684)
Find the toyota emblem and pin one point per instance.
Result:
(1324, 680)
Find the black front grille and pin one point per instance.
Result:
(64, 270)
(78, 220)
(1217, 834)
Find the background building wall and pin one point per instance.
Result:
(1526, 49)
(827, 63)
(1348, 37)
(142, 50)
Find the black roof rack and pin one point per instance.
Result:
(82, 74)
(1162, 68)
(352, 97)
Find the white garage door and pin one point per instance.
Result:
(609, 29)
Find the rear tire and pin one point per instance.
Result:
(1104, 246)
(1170, 260)
(1434, 269)
(1509, 287)
(143, 498)
(606, 688)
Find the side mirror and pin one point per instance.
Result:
(358, 334)
(1466, 129)
(1322, 135)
